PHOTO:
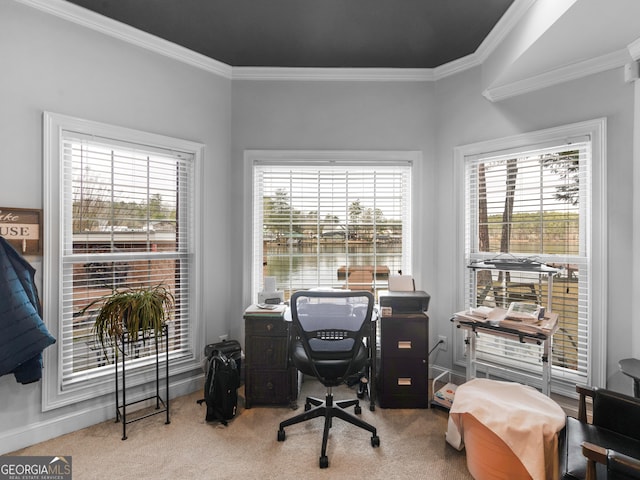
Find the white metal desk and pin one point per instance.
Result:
(540, 333)
(517, 266)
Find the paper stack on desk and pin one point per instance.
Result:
(265, 309)
(545, 325)
(498, 317)
(488, 315)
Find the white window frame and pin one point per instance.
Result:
(94, 386)
(306, 157)
(596, 243)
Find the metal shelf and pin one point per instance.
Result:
(162, 405)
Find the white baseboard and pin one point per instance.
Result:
(28, 435)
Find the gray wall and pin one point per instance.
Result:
(49, 64)
(435, 118)
(334, 116)
(466, 117)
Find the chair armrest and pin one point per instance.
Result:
(617, 463)
(622, 466)
(595, 454)
(584, 392)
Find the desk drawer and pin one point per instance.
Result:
(265, 326)
(406, 338)
(271, 387)
(266, 352)
(403, 376)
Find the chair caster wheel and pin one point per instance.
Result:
(372, 407)
(375, 441)
(363, 387)
(357, 409)
(324, 461)
(281, 435)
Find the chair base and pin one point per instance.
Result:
(329, 409)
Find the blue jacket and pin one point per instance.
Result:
(23, 334)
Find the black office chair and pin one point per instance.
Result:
(327, 342)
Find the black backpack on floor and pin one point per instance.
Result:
(221, 388)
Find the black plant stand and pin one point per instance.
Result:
(162, 406)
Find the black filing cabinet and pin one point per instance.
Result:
(404, 361)
(269, 379)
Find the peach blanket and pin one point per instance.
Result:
(525, 419)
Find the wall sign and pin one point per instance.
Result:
(22, 228)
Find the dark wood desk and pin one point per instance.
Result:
(270, 379)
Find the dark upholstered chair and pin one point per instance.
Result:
(609, 446)
(619, 466)
(329, 329)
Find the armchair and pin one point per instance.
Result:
(327, 343)
(609, 446)
(619, 466)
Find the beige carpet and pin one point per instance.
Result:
(412, 445)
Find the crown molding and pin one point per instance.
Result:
(456, 66)
(94, 21)
(634, 49)
(559, 75)
(508, 21)
(505, 25)
(334, 74)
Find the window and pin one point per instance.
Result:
(122, 204)
(535, 197)
(330, 219)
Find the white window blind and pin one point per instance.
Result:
(120, 211)
(128, 222)
(330, 224)
(534, 203)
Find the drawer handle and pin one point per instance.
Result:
(269, 386)
(269, 327)
(404, 381)
(404, 344)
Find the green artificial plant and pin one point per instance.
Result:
(136, 311)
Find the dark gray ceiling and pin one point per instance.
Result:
(315, 33)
